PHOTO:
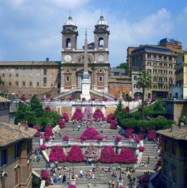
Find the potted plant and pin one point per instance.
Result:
(66, 138)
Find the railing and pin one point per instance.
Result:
(90, 142)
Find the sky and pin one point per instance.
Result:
(30, 30)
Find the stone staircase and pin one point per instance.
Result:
(102, 179)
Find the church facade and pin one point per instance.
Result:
(72, 64)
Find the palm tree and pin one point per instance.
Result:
(144, 81)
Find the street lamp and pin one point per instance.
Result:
(120, 178)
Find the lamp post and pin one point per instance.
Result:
(73, 171)
(120, 178)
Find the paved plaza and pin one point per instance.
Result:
(103, 173)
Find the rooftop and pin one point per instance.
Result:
(152, 48)
(28, 63)
(179, 134)
(10, 133)
(2, 99)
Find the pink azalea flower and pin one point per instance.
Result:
(141, 148)
(43, 147)
(45, 174)
(66, 137)
(118, 138)
(75, 154)
(90, 134)
(126, 156)
(57, 154)
(107, 155)
(78, 115)
(71, 186)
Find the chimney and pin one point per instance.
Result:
(24, 124)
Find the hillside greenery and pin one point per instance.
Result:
(153, 117)
(35, 114)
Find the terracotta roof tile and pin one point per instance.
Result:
(10, 133)
(2, 99)
(180, 134)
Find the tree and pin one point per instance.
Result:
(34, 113)
(119, 112)
(144, 81)
(122, 66)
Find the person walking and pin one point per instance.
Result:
(113, 183)
(64, 178)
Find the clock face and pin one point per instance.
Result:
(67, 58)
(100, 58)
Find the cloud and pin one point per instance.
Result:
(36, 25)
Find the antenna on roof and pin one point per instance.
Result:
(69, 13)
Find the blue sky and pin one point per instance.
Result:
(31, 29)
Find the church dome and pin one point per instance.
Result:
(102, 21)
(70, 21)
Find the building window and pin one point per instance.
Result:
(44, 80)
(17, 150)
(100, 79)
(17, 75)
(68, 43)
(23, 83)
(154, 64)
(135, 77)
(170, 65)
(10, 75)
(155, 79)
(3, 75)
(10, 83)
(148, 63)
(170, 80)
(16, 68)
(45, 71)
(38, 84)
(100, 42)
(30, 84)
(17, 84)
(154, 86)
(154, 70)
(4, 157)
(67, 79)
(154, 56)
(149, 71)
(149, 56)
(23, 68)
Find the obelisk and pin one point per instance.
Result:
(86, 80)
